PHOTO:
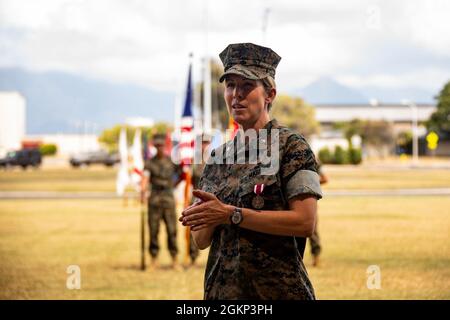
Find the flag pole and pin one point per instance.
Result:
(138, 168)
(207, 113)
(187, 199)
(207, 96)
(143, 267)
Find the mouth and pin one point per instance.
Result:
(238, 106)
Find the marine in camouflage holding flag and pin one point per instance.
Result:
(161, 202)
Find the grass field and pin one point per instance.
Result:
(407, 237)
(102, 179)
(98, 179)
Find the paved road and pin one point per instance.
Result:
(112, 195)
(58, 195)
(391, 192)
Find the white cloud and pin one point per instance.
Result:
(147, 42)
(29, 14)
(429, 78)
(429, 25)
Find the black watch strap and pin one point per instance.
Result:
(236, 217)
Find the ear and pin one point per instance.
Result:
(271, 95)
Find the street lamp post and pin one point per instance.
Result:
(264, 25)
(414, 116)
(415, 133)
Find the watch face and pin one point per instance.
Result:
(236, 218)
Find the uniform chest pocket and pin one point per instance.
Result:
(262, 192)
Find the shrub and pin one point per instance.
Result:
(48, 149)
(325, 156)
(340, 155)
(355, 155)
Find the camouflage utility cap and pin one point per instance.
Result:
(249, 60)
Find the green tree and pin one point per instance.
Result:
(325, 155)
(440, 119)
(296, 114)
(377, 133)
(340, 155)
(374, 133)
(349, 129)
(355, 155)
(110, 137)
(404, 141)
(48, 149)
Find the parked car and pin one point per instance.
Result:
(23, 158)
(94, 157)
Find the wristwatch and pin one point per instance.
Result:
(236, 217)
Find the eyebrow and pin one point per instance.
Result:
(244, 80)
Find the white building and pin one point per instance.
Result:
(68, 144)
(400, 115)
(12, 120)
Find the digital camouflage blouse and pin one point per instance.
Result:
(245, 264)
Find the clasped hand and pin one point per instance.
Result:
(207, 212)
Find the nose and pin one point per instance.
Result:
(237, 93)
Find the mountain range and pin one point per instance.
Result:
(57, 102)
(326, 90)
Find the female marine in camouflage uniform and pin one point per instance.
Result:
(250, 218)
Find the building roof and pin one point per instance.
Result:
(329, 113)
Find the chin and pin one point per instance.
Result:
(239, 118)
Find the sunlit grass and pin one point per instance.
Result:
(101, 179)
(95, 178)
(407, 237)
(354, 178)
(40, 239)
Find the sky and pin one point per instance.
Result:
(388, 44)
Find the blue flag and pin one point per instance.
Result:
(187, 111)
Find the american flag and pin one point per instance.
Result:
(186, 146)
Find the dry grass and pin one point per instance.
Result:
(101, 179)
(354, 178)
(94, 178)
(40, 239)
(407, 237)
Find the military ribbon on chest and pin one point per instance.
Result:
(258, 201)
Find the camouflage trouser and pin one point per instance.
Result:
(193, 249)
(167, 213)
(314, 242)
